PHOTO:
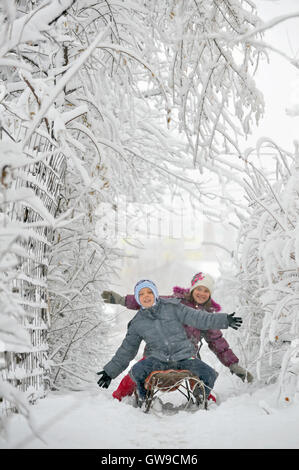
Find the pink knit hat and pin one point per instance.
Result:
(202, 279)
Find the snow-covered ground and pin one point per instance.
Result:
(92, 419)
(245, 417)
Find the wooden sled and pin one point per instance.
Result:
(170, 380)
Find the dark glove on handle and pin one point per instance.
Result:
(234, 323)
(104, 380)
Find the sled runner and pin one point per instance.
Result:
(170, 380)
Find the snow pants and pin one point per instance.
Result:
(142, 369)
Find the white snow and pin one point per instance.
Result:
(246, 416)
(92, 419)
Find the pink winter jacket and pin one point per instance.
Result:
(216, 342)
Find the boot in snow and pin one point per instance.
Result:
(125, 388)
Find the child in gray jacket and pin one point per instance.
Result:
(159, 322)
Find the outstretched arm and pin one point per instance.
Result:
(124, 355)
(129, 301)
(218, 344)
(201, 319)
(111, 297)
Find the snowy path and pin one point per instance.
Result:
(94, 420)
(246, 417)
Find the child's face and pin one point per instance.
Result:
(200, 294)
(146, 297)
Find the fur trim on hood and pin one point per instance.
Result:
(180, 293)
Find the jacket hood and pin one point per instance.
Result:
(181, 292)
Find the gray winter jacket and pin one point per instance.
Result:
(161, 327)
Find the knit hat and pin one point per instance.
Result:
(202, 279)
(145, 283)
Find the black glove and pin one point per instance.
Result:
(104, 380)
(234, 323)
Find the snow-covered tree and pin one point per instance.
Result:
(263, 279)
(27, 209)
(208, 71)
(86, 142)
(102, 101)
